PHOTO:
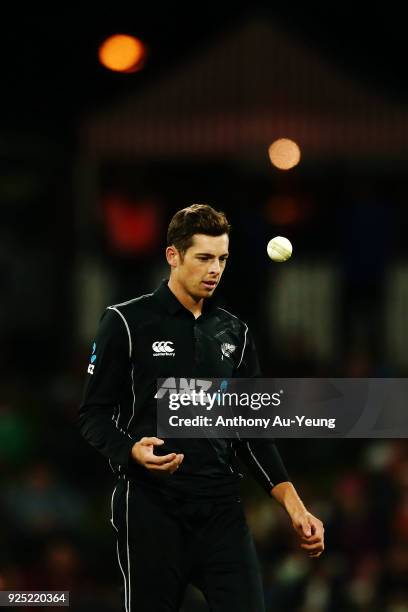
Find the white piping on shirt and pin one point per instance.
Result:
(130, 354)
(126, 325)
(123, 573)
(127, 609)
(133, 403)
(112, 522)
(132, 300)
(260, 466)
(127, 542)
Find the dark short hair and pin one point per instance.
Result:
(195, 219)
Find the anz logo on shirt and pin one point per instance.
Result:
(91, 366)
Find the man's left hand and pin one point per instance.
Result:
(311, 532)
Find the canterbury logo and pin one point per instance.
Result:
(163, 348)
(227, 349)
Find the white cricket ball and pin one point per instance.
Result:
(279, 248)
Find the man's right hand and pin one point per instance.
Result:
(142, 452)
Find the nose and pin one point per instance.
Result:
(214, 267)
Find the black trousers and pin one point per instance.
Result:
(163, 544)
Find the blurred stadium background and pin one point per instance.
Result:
(94, 162)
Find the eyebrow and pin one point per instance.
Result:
(211, 255)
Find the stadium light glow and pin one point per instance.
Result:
(284, 154)
(122, 53)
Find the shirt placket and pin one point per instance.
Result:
(196, 344)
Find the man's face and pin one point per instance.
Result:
(201, 268)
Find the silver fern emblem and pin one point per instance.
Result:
(227, 349)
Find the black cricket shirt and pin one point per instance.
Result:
(119, 408)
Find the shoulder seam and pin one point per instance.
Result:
(130, 301)
(126, 325)
(228, 312)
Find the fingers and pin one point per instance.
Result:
(160, 459)
(158, 463)
(312, 539)
(305, 526)
(170, 466)
(313, 528)
(314, 546)
(311, 532)
(314, 555)
(149, 441)
(314, 551)
(306, 529)
(303, 529)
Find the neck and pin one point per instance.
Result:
(188, 301)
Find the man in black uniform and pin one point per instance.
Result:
(176, 509)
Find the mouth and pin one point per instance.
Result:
(209, 284)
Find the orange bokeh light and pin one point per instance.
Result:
(284, 154)
(122, 53)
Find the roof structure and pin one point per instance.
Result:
(253, 85)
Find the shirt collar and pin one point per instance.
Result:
(167, 298)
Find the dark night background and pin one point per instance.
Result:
(345, 289)
(49, 72)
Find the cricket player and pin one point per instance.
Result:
(176, 509)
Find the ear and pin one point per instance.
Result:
(172, 256)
